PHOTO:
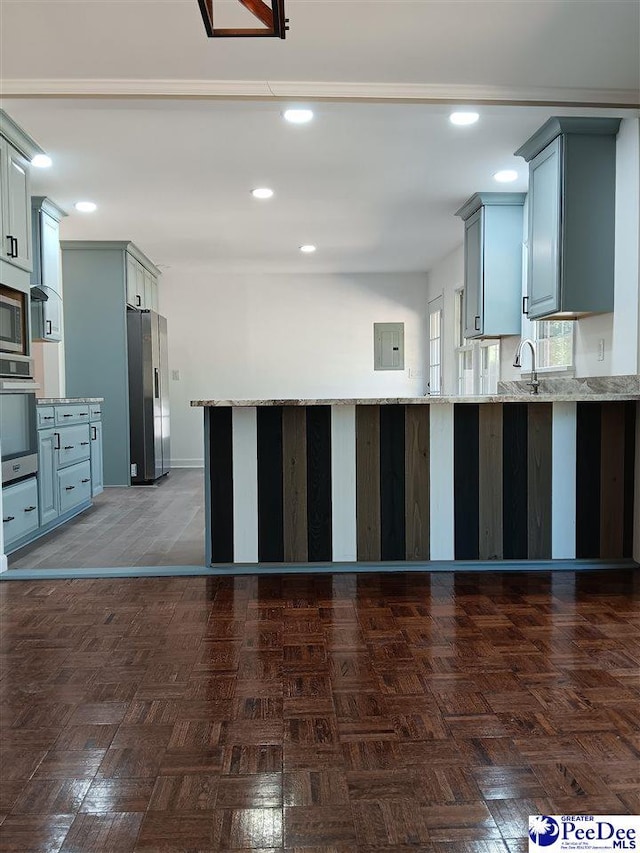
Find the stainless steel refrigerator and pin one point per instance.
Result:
(148, 396)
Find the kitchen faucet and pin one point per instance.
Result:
(517, 362)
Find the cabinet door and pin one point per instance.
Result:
(132, 281)
(97, 478)
(18, 224)
(140, 272)
(74, 444)
(74, 486)
(52, 317)
(154, 294)
(147, 301)
(47, 478)
(545, 188)
(473, 274)
(5, 247)
(19, 510)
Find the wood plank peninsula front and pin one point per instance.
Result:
(493, 480)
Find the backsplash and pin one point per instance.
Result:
(586, 385)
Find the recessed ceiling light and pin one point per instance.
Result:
(307, 249)
(262, 192)
(85, 206)
(464, 118)
(506, 176)
(298, 116)
(41, 161)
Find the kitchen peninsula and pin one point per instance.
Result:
(511, 477)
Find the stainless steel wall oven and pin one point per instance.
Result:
(18, 431)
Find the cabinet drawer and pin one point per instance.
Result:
(75, 414)
(46, 417)
(74, 485)
(95, 411)
(74, 444)
(20, 510)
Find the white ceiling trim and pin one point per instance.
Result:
(415, 92)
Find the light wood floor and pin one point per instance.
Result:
(161, 525)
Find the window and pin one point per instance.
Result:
(554, 343)
(489, 366)
(553, 338)
(435, 345)
(477, 362)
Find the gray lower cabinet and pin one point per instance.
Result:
(74, 444)
(74, 485)
(97, 473)
(493, 224)
(571, 226)
(47, 476)
(64, 469)
(19, 510)
(69, 473)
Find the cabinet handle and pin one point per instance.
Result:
(84, 414)
(68, 447)
(98, 412)
(30, 508)
(57, 435)
(67, 416)
(476, 324)
(138, 301)
(16, 252)
(49, 328)
(84, 443)
(94, 433)
(48, 418)
(87, 480)
(9, 518)
(525, 305)
(10, 252)
(69, 488)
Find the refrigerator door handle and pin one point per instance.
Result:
(156, 383)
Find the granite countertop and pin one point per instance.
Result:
(58, 401)
(407, 401)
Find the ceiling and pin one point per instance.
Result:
(374, 186)
(374, 181)
(554, 50)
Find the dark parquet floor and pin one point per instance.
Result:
(342, 714)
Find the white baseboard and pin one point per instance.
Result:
(187, 463)
(4, 565)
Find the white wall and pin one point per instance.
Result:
(283, 336)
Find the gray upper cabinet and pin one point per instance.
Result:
(17, 224)
(492, 264)
(142, 285)
(571, 223)
(46, 315)
(17, 149)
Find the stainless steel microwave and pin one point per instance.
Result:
(13, 322)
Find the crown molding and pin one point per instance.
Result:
(319, 90)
